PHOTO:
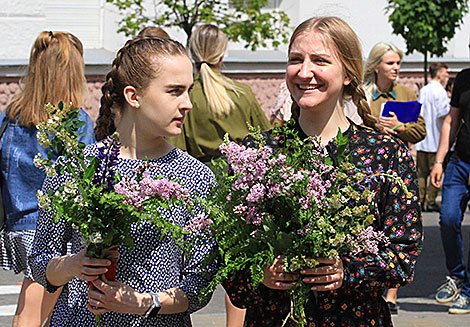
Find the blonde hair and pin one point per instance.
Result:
(376, 55)
(348, 49)
(56, 72)
(207, 46)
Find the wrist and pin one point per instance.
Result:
(144, 304)
(154, 307)
(438, 162)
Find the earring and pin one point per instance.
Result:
(137, 106)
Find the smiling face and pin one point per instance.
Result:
(389, 67)
(315, 75)
(165, 102)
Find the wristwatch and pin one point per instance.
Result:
(154, 308)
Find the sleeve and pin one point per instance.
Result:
(87, 131)
(443, 104)
(200, 262)
(413, 132)
(50, 239)
(243, 295)
(400, 219)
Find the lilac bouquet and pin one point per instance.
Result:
(294, 201)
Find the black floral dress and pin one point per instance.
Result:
(358, 302)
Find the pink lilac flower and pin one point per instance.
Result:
(256, 194)
(198, 223)
(369, 240)
(136, 193)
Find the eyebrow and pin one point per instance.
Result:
(179, 86)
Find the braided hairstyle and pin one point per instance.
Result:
(348, 49)
(136, 64)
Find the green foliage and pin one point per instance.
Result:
(426, 25)
(241, 20)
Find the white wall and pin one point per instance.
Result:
(95, 23)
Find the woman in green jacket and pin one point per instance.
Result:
(220, 104)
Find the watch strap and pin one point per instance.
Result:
(155, 307)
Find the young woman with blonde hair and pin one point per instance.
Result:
(56, 72)
(380, 84)
(220, 104)
(324, 67)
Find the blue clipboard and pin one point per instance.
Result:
(406, 111)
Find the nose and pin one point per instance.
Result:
(305, 70)
(186, 103)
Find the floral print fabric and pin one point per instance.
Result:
(358, 302)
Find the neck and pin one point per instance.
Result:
(138, 145)
(384, 85)
(323, 124)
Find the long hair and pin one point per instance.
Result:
(56, 72)
(136, 64)
(348, 49)
(376, 55)
(208, 45)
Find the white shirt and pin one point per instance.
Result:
(435, 107)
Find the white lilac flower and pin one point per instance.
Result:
(50, 171)
(43, 200)
(95, 238)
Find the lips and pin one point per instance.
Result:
(179, 120)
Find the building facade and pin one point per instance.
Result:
(95, 22)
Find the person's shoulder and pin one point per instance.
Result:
(191, 166)
(244, 87)
(373, 138)
(404, 90)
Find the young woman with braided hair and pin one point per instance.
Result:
(145, 99)
(56, 72)
(324, 67)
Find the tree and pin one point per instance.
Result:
(239, 19)
(426, 25)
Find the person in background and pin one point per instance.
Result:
(158, 282)
(281, 110)
(153, 31)
(380, 84)
(220, 104)
(450, 86)
(56, 72)
(435, 107)
(455, 195)
(325, 67)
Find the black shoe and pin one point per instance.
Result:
(433, 208)
(393, 308)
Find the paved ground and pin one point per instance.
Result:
(417, 307)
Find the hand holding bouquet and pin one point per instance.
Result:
(294, 201)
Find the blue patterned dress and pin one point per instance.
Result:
(154, 264)
(358, 302)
